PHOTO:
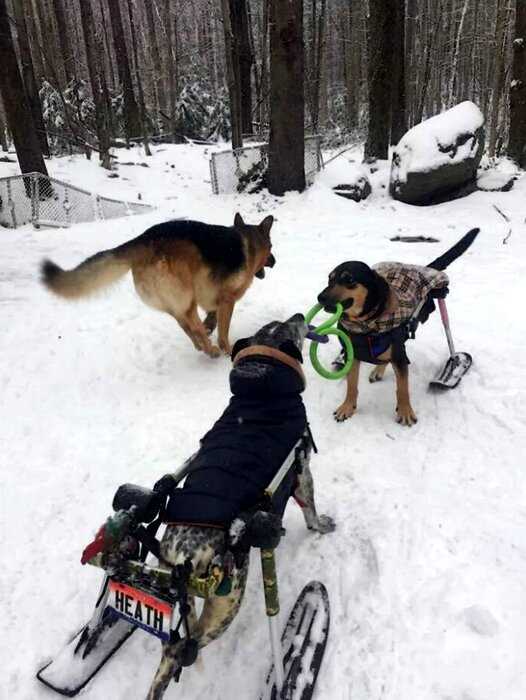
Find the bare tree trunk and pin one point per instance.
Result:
(171, 46)
(411, 54)
(318, 34)
(3, 129)
(152, 21)
(16, 105)
(473, 77)
(399, 106)
(517, 138)
(233, 80)
(262, 75)
(64, 40)
(351, 76)
(103, 37)
(32, 36)
(28, 76)
(498, 78)
(430, 47)
(44, 20)
(132, 121)
(138, 80)
(379, 63)
(242, 59)
(286, 169)
(454, 66)
(98, 82)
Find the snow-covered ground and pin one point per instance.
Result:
(427, 569)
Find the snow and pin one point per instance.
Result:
(493, 174)
(426, 571)
(345, 170)
(427, 146)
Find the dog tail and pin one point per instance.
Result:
(90, 276)
(455, 252)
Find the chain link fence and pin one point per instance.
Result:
(229, 168)
(43, 201)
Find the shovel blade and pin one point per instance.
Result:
(453, 371)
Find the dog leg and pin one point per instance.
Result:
(404, 410)
(171, 662)
(199, 333)
(304, 495)
(186, 328)
(210, 322)
(218, 613)
(224, 316)
(348, 407)
(377, 373)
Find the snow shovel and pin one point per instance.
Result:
(458, 362)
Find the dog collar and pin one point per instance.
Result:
(267, 351)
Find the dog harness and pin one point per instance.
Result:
(409, 288)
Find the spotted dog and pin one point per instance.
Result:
(236, 461)
(380, 304)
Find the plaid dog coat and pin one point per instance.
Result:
(409, 286)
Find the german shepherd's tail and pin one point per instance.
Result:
(90, 276)
(455, 252)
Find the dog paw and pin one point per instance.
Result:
(344, 411)
(376, 375)
(406, 416)
(214, 352)
(324, 524)
(225, 347)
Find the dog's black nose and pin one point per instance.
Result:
(296, 318)
(325, 300)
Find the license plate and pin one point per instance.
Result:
(141, 609)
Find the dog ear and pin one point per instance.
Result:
(239, 345)
(266, 225)
(290, 349)
(238, 220)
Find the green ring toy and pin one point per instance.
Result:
(326, 328)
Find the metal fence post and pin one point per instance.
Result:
(35, 200)
(10, 203)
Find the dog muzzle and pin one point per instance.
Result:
(270, 262)
(329, 304)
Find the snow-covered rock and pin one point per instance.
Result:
(438, 159)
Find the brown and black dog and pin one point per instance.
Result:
(178, 266)
(378, 304)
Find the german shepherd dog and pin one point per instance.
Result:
(178, 266)
(236, 461)
(378, 303)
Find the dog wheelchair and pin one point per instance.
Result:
(136, 593)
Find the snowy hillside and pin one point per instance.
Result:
(427, 568)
